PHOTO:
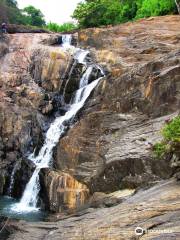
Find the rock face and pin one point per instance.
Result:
(35, 81)
(3, 45)
(27, 96)
(110, 147)
(63, 191)
(47, 68)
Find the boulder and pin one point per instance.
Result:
(61, 192)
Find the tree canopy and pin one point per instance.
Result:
(90, 13)
(10, 13)
(33, 16)
(93, 13)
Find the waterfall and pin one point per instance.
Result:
(66, 40)
(11, 185)
(57, 128)
(80, 55)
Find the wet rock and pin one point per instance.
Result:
(48, 66)
(72, 82)
(2, 182)
(23, 172)
(54, 39)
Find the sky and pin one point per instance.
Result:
(58, 11)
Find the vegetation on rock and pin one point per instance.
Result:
(171, 138)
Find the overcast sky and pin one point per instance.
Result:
(58, 11)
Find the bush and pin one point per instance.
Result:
(103, 12)
(171, 131)
(94, 13)
(66, 27)
(33, 16)
(148, 8)
(171, 138)
(160, 149)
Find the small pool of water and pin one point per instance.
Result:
(8, 209)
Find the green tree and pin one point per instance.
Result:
(33, 16)
(65, 27)
(9, 12)
(93, 13)
(11, 3)
(103, 12)
(149, 8)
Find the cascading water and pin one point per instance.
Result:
(57, 128)
(11, 185)
(80, 55)
(66, 40)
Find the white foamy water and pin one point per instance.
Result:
(66, 40)
(80, 55)
(85, 78)
(57, 128)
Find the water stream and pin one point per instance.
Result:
(29, 200)
(11, 185)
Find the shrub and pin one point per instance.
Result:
(160, 149)
(94, 13)
(171, 138)
(65, 27)
(149, 8)
(171, 132)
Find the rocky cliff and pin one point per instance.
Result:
(25, 103)
(109, 146)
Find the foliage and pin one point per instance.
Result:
(171, 138)
(149, 8)
(33, 16)
(104, 12)
(65, 27)
(10, 13)
(171, 132)
(160, 149)
(93, 13)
